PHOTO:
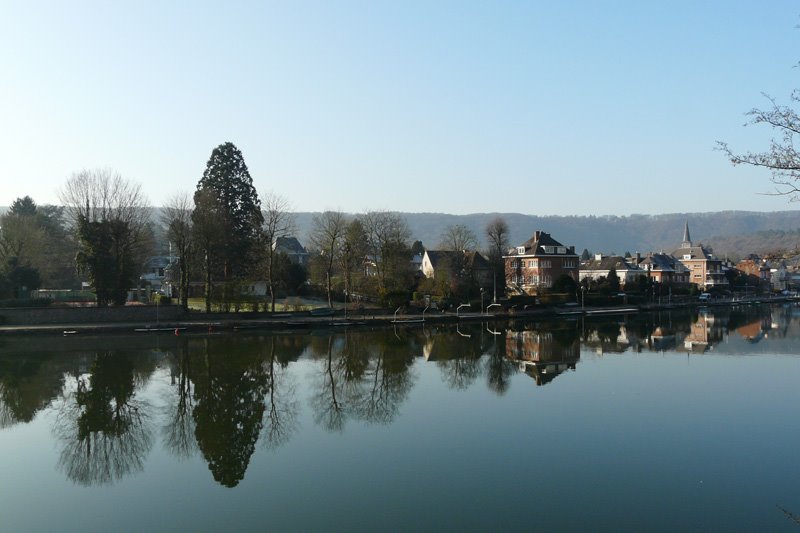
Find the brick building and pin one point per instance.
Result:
(537, 263)
(705, 270)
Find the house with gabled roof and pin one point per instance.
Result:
(665, 269)
(536, 264)
(540, 355)
(447, 263)
(705, 270)
(295, 251)
(601, 266)
(756, 269)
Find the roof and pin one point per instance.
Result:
(437, 257)
(542, 244)
(608, 262)
(699, 251)
(663, 263)
(695, 252)
(289, 245)
(472, 260)
(476, 261)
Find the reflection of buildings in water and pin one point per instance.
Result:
(756, 330)
(613, 338)
(704, 332)
(662, 339)
(540, 355)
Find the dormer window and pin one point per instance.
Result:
(562, 250)
(520, 249)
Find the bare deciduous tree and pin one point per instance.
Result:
(326, 233)
(387, 235)
(497, 235)
(102, 195)
(22, 237)
(110, 216)
(458, 238)
(781, 158)
(351, 254)
(278, 222)
(177, 218)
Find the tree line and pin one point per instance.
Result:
(223, 237)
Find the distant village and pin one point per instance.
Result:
(224, 248)
(543, 266)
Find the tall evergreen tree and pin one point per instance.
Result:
(228, 180)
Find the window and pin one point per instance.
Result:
(562, 250)
(520, 249)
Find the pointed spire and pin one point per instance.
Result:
(687, 240)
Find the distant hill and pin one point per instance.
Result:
(733, 233)
(728, 232)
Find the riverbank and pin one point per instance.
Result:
(201, 323)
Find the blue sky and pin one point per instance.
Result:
(565, 108)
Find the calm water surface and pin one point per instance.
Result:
(671, 421)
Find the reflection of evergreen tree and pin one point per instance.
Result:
(103, 426)
(230, 385)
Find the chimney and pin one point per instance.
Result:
(598, 257)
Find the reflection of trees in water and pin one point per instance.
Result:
(28, 383)
(460, 371)
(103, 427)
(499, 368)
(328, 402)
(230, 384)
(178, 428)
(280, 419)
(363, 377)
(457, 353)
(387, 384)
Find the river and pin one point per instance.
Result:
(681, 420)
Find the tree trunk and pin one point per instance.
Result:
(208, 284)
(328, 284)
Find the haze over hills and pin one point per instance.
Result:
(733, 233)
(729, 233)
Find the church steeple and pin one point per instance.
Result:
(687, 240)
